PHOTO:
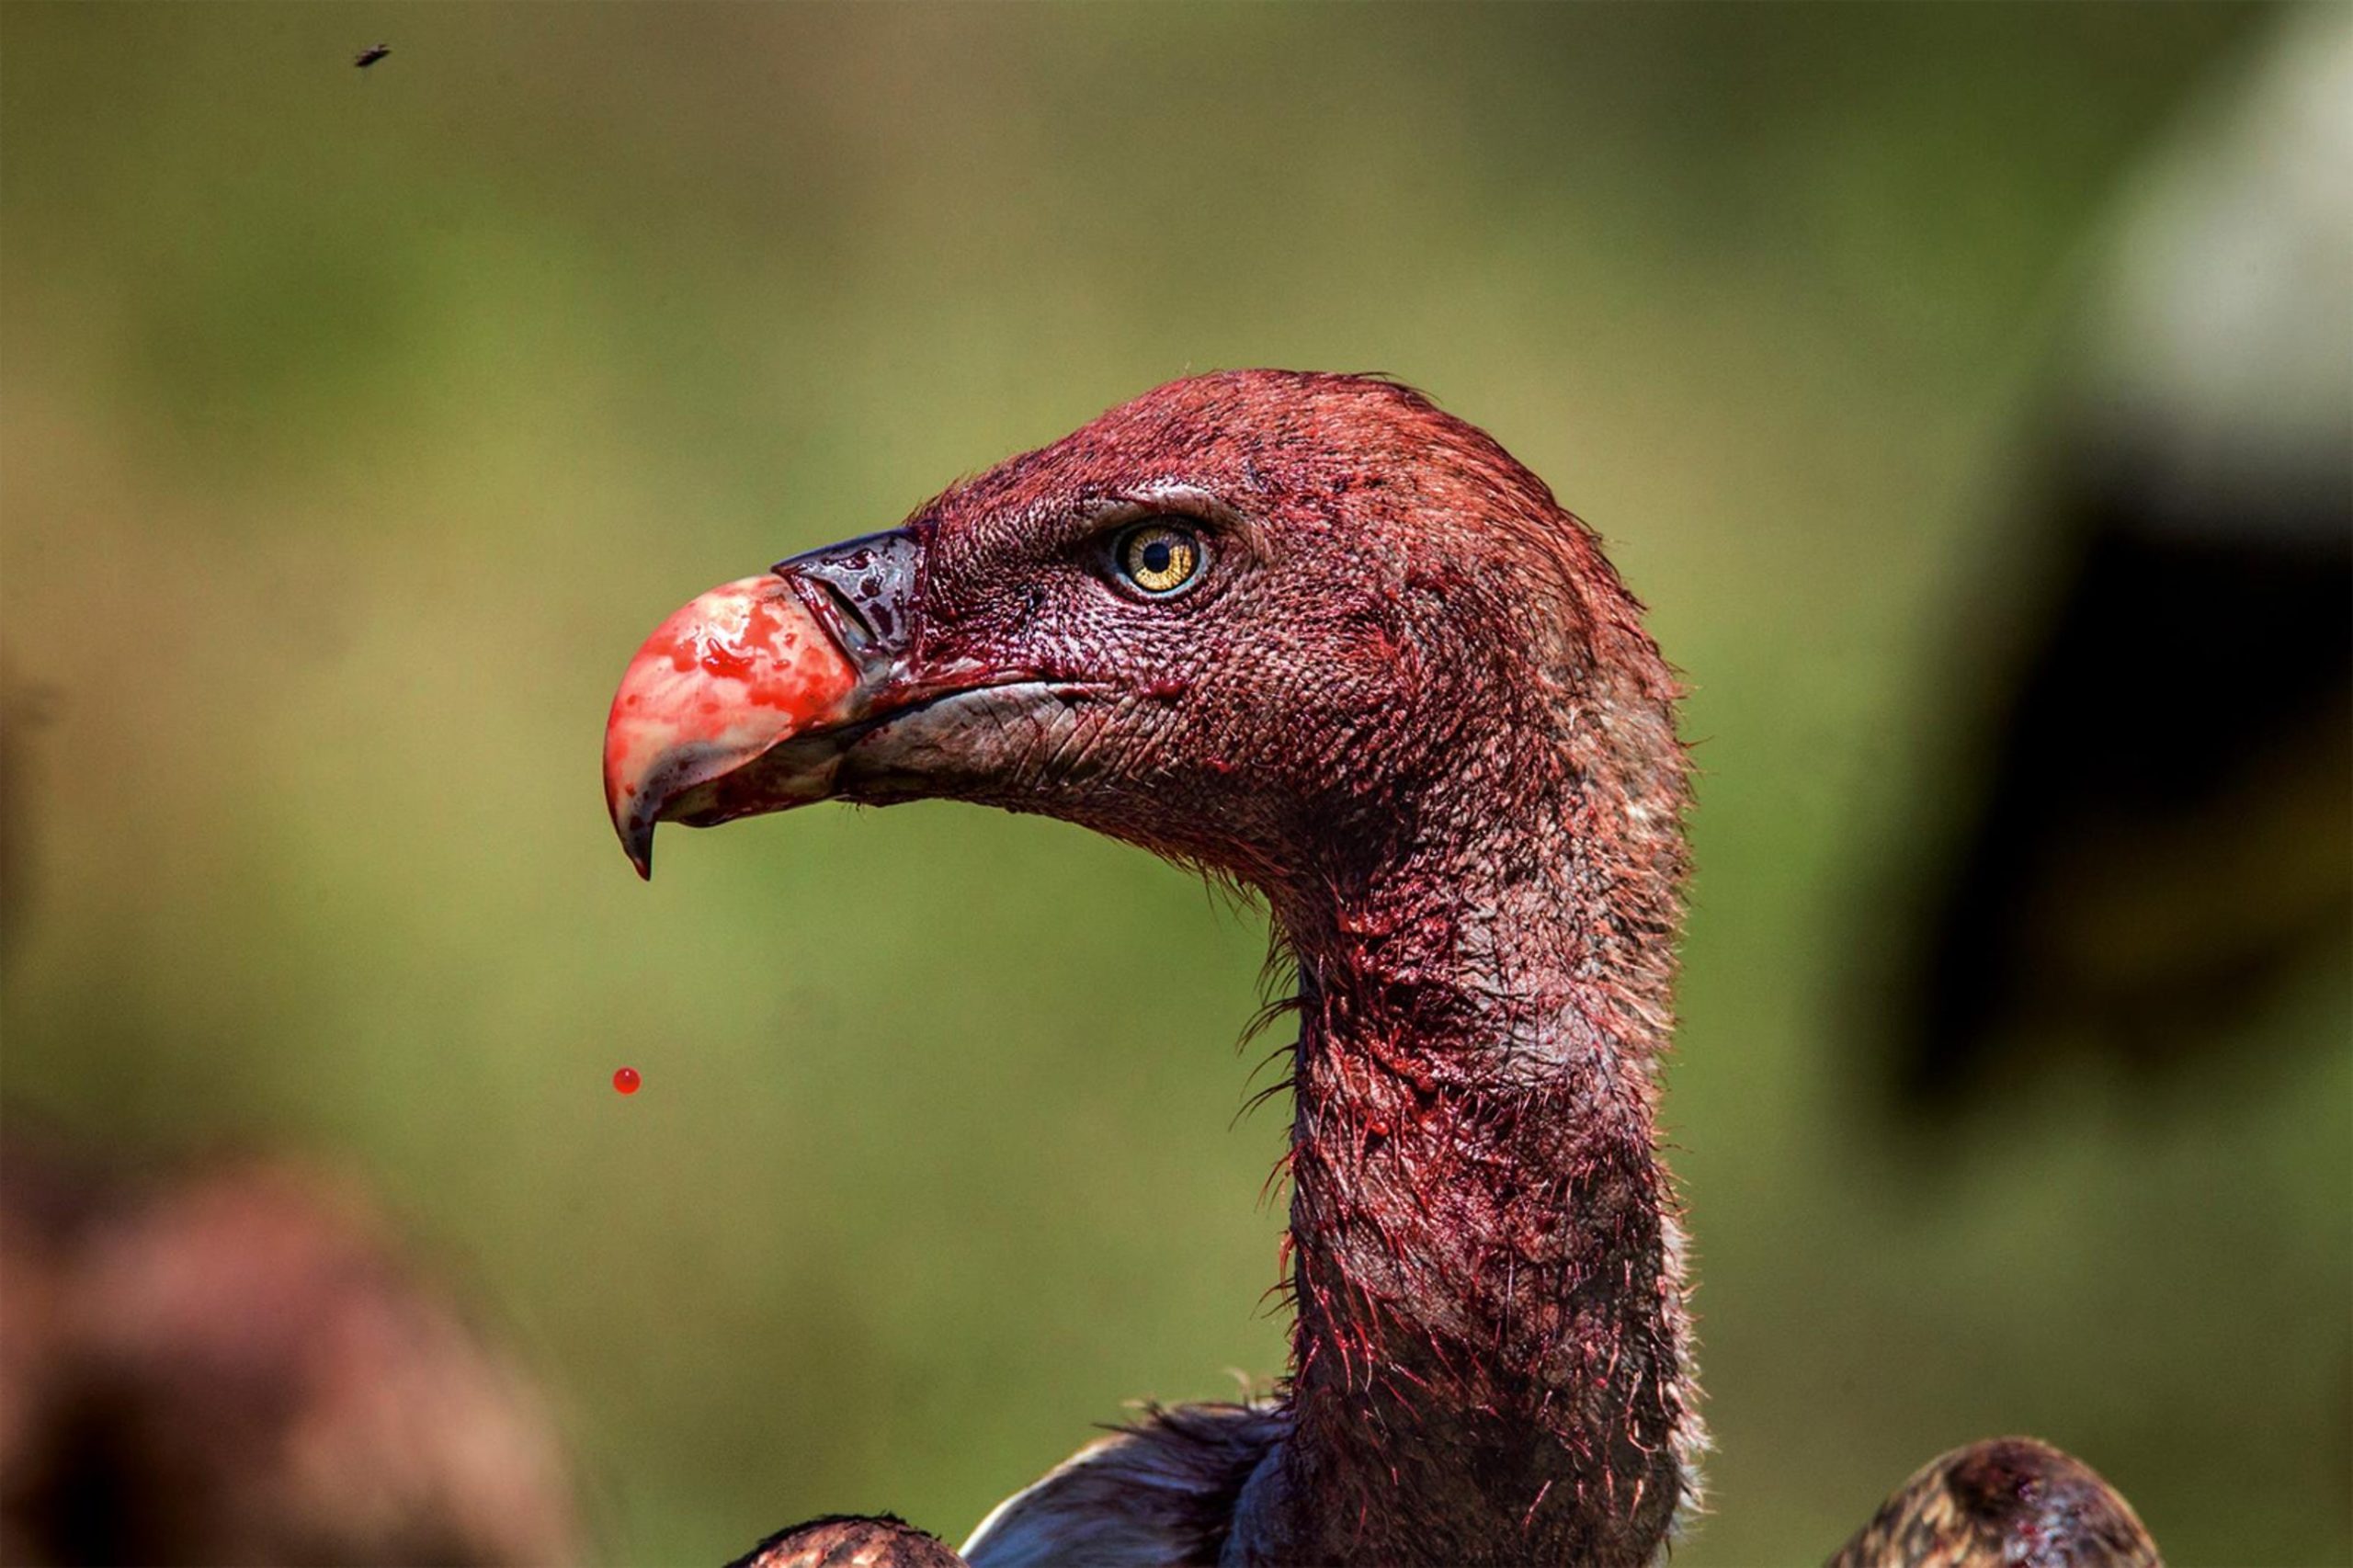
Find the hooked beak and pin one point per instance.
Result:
(745, 700)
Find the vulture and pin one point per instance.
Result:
(2153, 838)
(233, 1359)
(1309, 634)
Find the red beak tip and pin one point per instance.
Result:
(721, 682)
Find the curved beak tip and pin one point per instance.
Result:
(632, 826)
(719, 685)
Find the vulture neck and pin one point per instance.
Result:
(1489, 1354)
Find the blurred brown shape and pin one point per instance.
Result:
(2155, 835)
(847, 1542)
(2005, 1503)
(235, 1364)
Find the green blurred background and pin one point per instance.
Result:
(355, 426)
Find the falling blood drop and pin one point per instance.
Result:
(625, 1080)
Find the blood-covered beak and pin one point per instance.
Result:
(745, 700)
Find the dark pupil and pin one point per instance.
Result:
(1156, 555)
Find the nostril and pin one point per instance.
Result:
(855, 629)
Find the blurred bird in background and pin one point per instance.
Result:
(233, 1359)
(235, 1362)
(2155, 830)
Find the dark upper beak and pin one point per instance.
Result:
(744, 700)
(863, 592)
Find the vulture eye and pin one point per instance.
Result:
(1160, 558)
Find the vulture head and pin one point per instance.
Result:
(1263, 622)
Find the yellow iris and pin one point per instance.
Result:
(1159, 559)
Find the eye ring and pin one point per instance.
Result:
(1160, 558)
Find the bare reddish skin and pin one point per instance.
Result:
(625, 1080)
(1413, 704)
(725, 678)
